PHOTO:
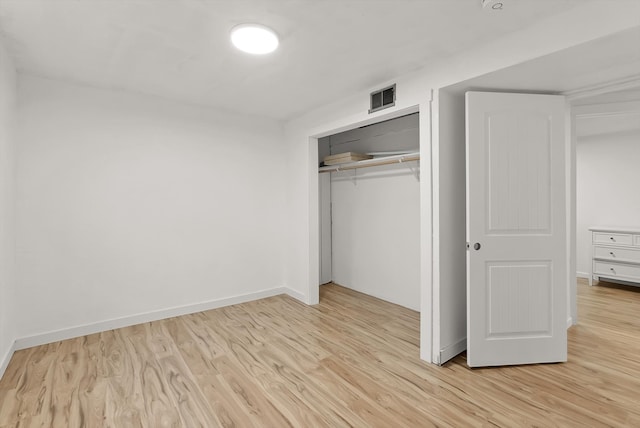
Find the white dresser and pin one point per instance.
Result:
(615, 254)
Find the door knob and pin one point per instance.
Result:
(476, 246)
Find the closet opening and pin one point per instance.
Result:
(369, 210)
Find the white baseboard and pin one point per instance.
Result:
(450, 351)
(4, 362)
(83, 330)
(584, 275)
(296, 295)
(569, 322)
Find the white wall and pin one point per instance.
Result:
(7, 207)
(607, 178)
(449, 267)
(376, 240)
(130, 205)
(376, 216)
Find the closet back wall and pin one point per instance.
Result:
(376, 216)
(129, 204)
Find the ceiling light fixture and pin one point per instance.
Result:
(254, 39)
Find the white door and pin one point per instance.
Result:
(516, 229)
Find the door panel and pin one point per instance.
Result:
(519, 297)
(516, 227)
(519, 197)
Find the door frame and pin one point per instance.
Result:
(426, 251)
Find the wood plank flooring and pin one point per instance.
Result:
(352, 360)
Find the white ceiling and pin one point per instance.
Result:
(180, 49)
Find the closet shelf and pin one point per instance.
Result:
(386, 160)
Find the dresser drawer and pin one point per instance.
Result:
(636, 240)
(617, 253)
(613, 238)
(615, 270)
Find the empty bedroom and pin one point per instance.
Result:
(319, 213)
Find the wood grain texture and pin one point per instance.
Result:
(352, 360)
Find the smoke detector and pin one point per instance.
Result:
(493, 4)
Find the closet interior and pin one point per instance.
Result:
(369, 180)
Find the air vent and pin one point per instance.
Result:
(383, 98)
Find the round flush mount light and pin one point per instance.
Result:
(254, 39)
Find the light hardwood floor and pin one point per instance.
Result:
(350, 361)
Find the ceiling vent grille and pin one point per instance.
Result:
(383, 98)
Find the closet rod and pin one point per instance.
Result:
(387, 160)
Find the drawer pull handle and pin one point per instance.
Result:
(613, 270)
(612, 238)
(611, 252)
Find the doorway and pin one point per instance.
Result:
(370, 210)
(607, 153)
